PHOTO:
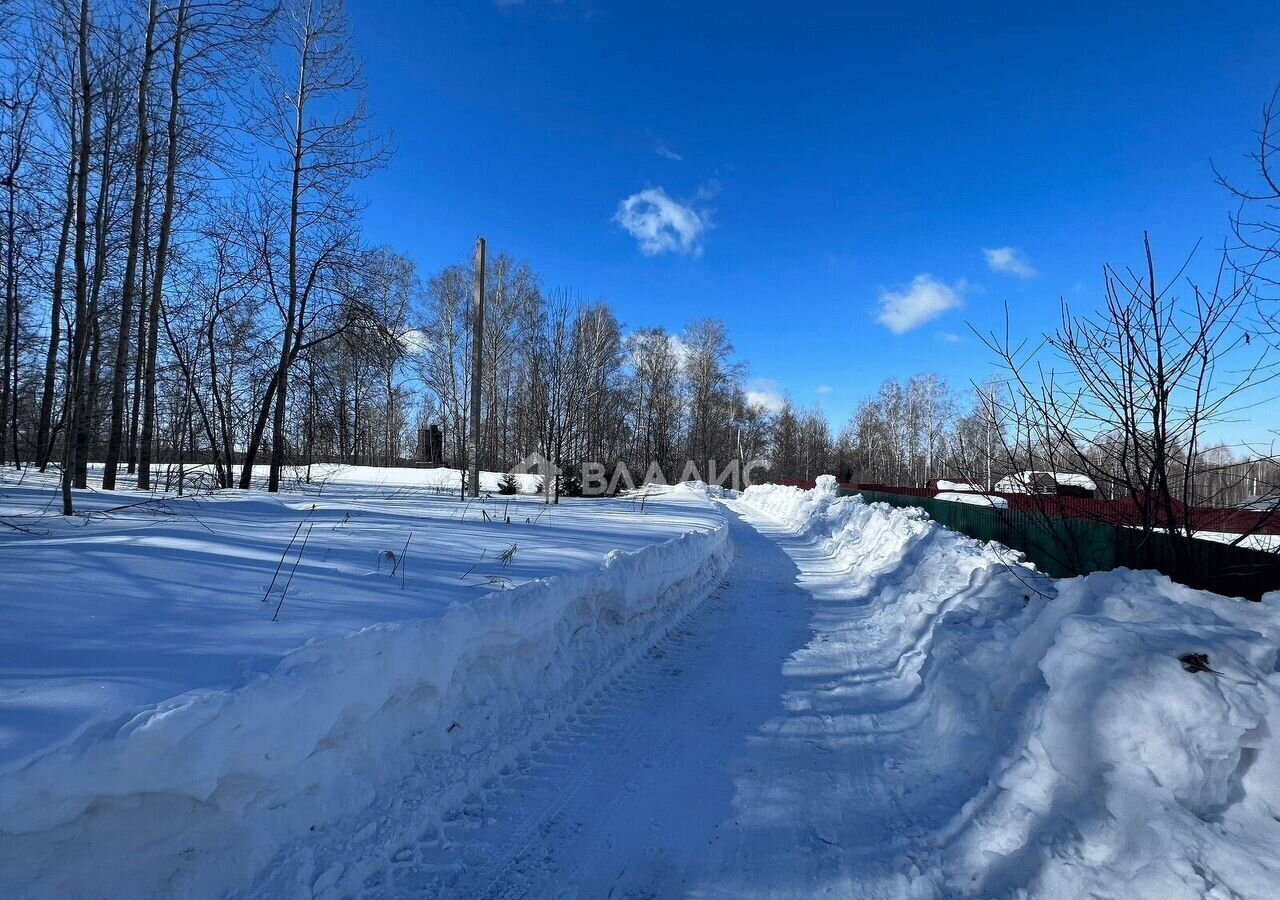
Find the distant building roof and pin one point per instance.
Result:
(962, 486)
(1031, 481)
(973, 499)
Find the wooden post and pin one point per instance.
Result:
(477, 361)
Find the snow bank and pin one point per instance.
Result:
(1065, 750)
(961, 486)
(191, 796)
(1113, 771)
(1268, 542)
(973, 499)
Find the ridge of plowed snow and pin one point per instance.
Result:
(191, 795)
(1058, 745)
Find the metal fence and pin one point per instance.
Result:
(1065, 546)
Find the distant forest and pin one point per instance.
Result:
(186, 280)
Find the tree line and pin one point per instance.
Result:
(563, 377)
(186, 282)
(180, 228)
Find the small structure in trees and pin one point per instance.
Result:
(431, 446)
(1060, 484)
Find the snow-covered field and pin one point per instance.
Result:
(159, 719)
(787, 694)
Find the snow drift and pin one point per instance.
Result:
(192, 796)
(1109, 736)
(972, 499)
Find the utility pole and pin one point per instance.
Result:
(989, 411)
(477, 360)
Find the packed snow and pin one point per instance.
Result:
(973, 499)
(1058, 745)
(963, 487)
(783, 694)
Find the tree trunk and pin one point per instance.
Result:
(10, 326)
(85, 442)
(287, 338)
(255, 436)
(387, 458)
(81, 324)
(115, 439)
(162, 249)
(477, 363)
(88, 431)
(194, 396)
(140, 357)
(221, 441)
(44, 429)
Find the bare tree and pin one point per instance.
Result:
(712, 378)
(141, 157)
(655, 396)
(18, 108)
(45, 428)
(81, 325)
(178, 60)
(1256, 221)
(1131, 394)
(324, 152)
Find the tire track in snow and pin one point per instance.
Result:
(494, 842)
(730, 760)
(515, 868)
(627, 799)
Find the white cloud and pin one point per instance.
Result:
(660, 224)
(949, 337)
(825, 389)
(667, 153)
(922, 301)
(764, 392)
(1009, 261)
(679, 348)
(416, 340)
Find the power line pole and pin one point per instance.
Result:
(477, 361)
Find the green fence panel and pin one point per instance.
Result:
(1065, 547)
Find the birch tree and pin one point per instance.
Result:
(314, 116)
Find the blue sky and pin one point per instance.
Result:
(791, 168)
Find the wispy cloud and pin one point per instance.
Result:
(922, 301)
(416, 340)
(679, 348)
(666, 152)
(825, 389)
(662, 225)
(765, 392)
(949, 337)
(1009, 261)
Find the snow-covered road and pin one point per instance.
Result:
(750, 753)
